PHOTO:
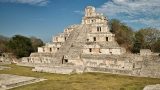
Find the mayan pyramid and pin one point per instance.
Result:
(91, 39)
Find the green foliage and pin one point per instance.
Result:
(21, 46)
(156, 46)
(3, 42)
(36, 43)
(147, 39)
(136, 47)
(3, 46)
(138, 41)
(114, 25)
(124, 34)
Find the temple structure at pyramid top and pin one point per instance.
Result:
(91, 16)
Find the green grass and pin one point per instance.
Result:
(85, 81)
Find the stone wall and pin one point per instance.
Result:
(99, 28)
(145, 52)
(7, 58)
(59, 69)
(127, 64)
(98, 51)
(100, 37)
(134, 65)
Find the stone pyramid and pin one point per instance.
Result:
(91, 39)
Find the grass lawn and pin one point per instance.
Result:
(85, 81)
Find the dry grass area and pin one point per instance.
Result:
(85, 81)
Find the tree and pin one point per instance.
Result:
(147, 38)
(36, 43)
(138, 40)
(3, 42)
(114, 25)
(124, 35)
(3, 46)
(156, 46)
(20, 46)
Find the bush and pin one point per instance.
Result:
(20, 46)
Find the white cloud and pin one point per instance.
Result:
(30, 2)
(146, 12)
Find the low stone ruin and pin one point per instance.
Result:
(7, 58)
(152, 87)
(59, 69)
(4, 67)
(8, 81)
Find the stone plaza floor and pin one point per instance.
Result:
(8, 81)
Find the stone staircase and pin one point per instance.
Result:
(67, 44)
(75, 50)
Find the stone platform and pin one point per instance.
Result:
(152, 87)
(4, 67)
(8, 81)
(59, 69)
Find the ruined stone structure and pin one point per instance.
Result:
(7, 58)
(152, 87)
(91, 47)
(9, 81)
(92, 37)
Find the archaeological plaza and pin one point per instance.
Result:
(86, 47)
(91, 47)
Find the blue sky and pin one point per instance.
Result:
(45, 18)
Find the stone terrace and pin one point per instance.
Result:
(8, 81)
